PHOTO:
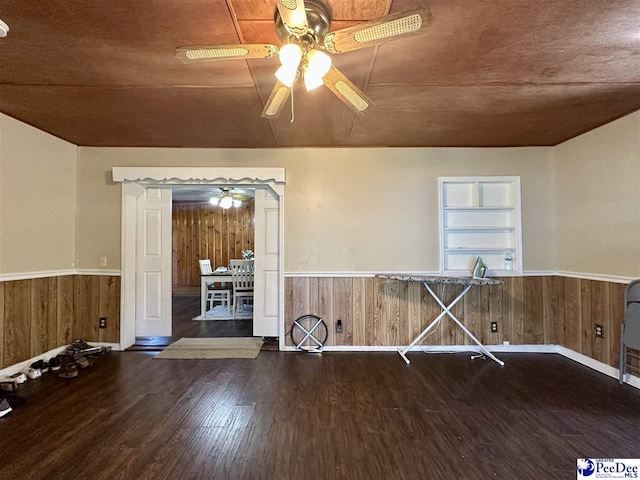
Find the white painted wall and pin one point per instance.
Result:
(37, 199)
(346, 209)
(597, 178)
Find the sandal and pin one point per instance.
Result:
(70, 370)
(80, 346)
(84, 362)
(8, 386)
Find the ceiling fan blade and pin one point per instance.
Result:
(293, 15)
(276, 101)
(346, 91)
(213, 53)
(407, 23)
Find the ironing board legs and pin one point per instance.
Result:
(446, 310)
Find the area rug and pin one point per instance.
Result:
(224, 347)
(220, 312)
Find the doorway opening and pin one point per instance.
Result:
(146, 241)
(203, 230)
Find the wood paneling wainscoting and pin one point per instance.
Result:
(529, 310)
(202, 231)
(37, 315)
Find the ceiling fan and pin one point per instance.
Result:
(227, 197)
(303, 27)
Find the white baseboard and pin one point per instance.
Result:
(47, 355)
(597, 365)
(437, 348)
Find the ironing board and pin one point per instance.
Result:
(427, 281)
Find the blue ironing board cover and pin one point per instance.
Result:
(439, 280)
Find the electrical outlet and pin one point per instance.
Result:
(598, 330)
(102, 322)
(494, 326)
(338, 326)
(103, 261)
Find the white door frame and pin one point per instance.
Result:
(135, 180)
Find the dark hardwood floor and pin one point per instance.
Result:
(330, 416)
(185, 307)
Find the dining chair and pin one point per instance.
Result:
(205, 267)
(242, 275)
(214, 294)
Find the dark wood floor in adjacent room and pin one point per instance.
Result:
(331, 416)
(184, 308)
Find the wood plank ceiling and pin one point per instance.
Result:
(489, 73)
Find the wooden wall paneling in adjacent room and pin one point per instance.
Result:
(2, 323)
(202, 231)
(17, 316)
(65, 310)
(44, 312)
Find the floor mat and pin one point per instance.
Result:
(220, 312)
(225, 347)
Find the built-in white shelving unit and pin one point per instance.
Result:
(480, 217)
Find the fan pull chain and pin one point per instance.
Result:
(293, 116)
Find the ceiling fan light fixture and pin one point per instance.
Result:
(237, 203)
(312, 82)
(290, 55)
(226, 202)
(318, 63)
(214, 200)
(287, 75)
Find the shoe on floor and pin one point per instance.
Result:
(55, 363)
(5, 408)
(8, 386)
(84, 362)
(19, 377)
(80, 346)
(32, 373)
(70, 370)
(40, 365)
